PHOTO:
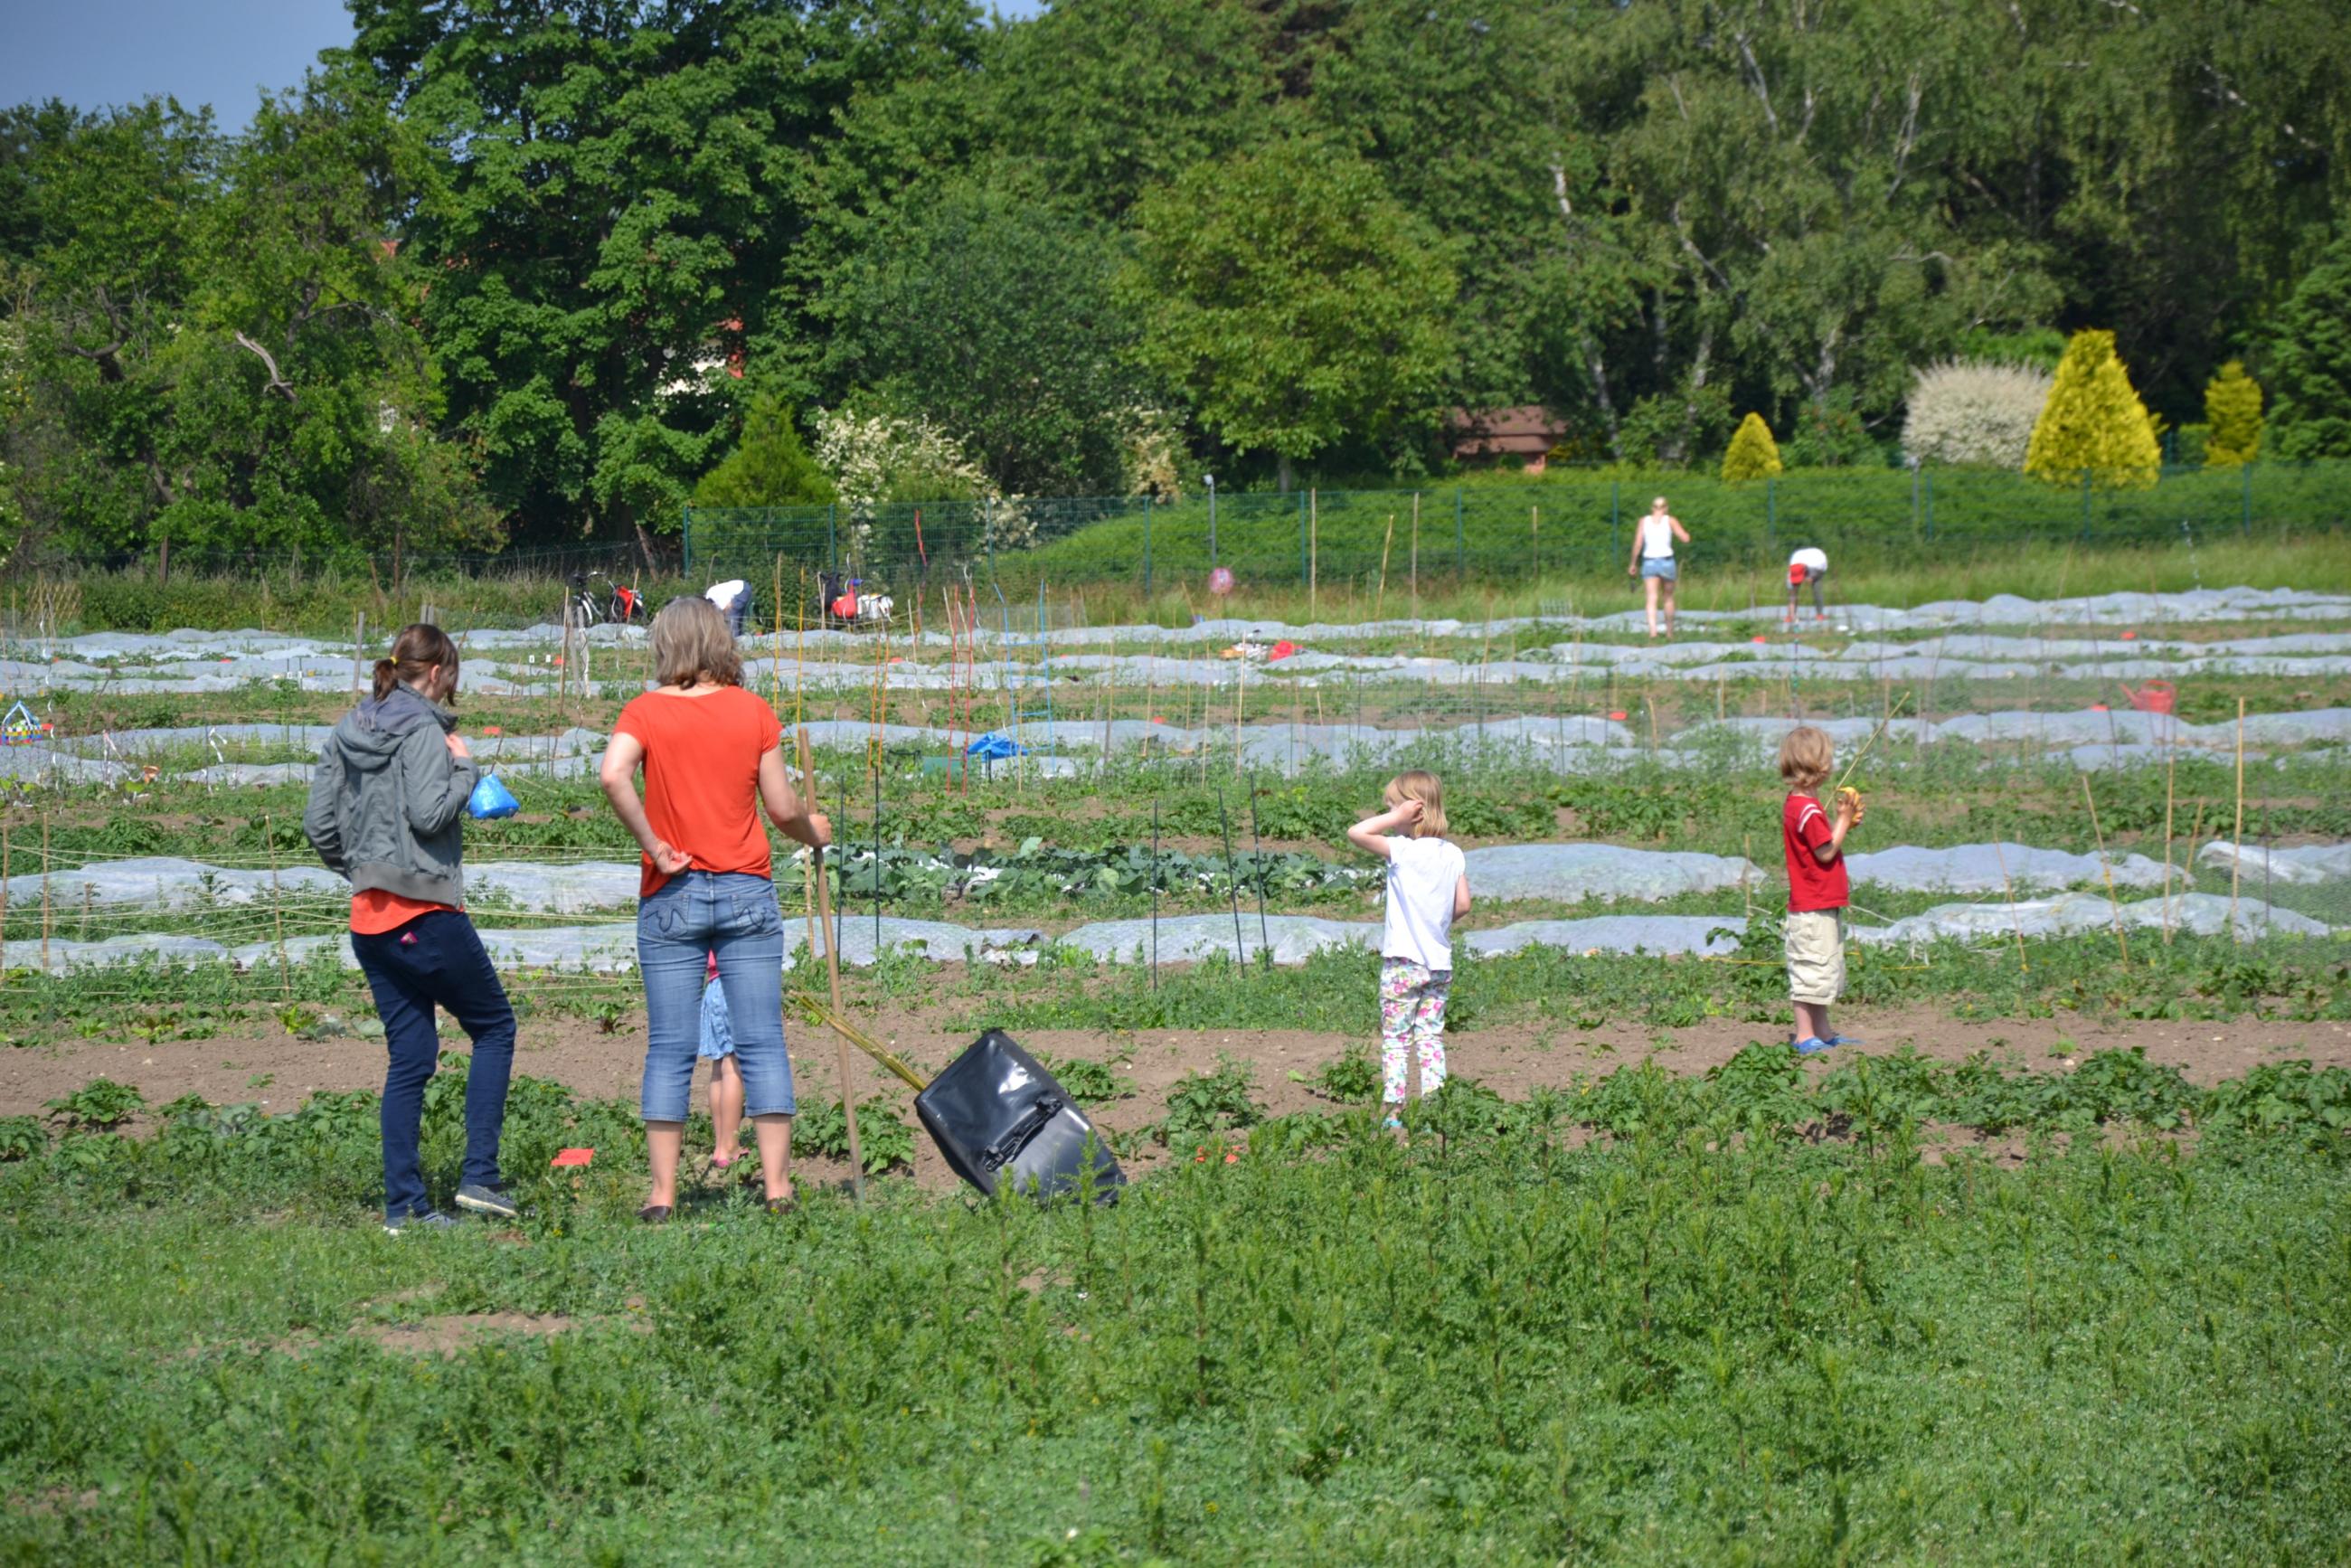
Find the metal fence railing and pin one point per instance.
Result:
(1506, 531)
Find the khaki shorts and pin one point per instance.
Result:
(1815, 955)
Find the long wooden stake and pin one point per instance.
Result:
(358, 642)
(45, 892)
(832, 974)
(1416, 558)
(2106, 866)
(4, 904)
(278, 907)
(2187, 861)
(2008, 892)
(2237, 861)
(1380, 599)
(2170, 772)
(1313, 552)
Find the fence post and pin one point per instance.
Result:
(2245, 514)
(2085, 503)
(685, 537)
(1301, 538)
(1146, 545)
(832, 558)
(1461, 550)
(1771, 514)
(1612, 518)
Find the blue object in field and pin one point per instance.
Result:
(989, 748)
(491, 799)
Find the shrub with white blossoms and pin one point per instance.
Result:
(1969, 410)
(1151, 453)
(874, 459)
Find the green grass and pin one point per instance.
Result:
(1486, 1347)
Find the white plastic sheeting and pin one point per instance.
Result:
(2302, 865)
(1572, 872)
(1980, 868)
(2087, 913)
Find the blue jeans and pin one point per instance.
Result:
(694, 915)
(436, 960)
(1660, 565)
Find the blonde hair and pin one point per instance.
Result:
(1424, 788)
(1806, 757)
(690, 642)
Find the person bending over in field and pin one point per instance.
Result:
(1807, 568)
(1427, 890)
(386, 804)
(1817, 893)
(710, 755)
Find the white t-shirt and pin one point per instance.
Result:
(1657, 539)
(1422, 875)
(1810, 560)
(724, 594)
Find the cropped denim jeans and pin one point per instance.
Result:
(733, 915)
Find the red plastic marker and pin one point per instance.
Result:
(1618, 716)
(564, 1157)
(2097, 707)
(492, 729)
(2129, 636)
(1758, 639)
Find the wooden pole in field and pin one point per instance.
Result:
(1416, 559)
(2170, 773)
(358, 642)
(2237, 861)
(2106, 866)
(1313, 551)
(45, 892)
(278, 907)
(4, 902)
(2008, 892)
(776, 632)
(2187, 864)
(1534, 536)
(832, 975)
(1379, 600)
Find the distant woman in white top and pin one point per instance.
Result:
(1808, 565)
(1653, 559)
(1429, 889)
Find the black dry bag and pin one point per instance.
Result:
(999, 1116)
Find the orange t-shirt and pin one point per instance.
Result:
(701, 778)
(375, 912)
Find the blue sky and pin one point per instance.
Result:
(221, 52)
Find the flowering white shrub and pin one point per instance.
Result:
(1150, 455)
(1965, 411)
(876, 459)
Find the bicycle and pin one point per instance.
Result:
(621, 605)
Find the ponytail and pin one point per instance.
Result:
(414, 652)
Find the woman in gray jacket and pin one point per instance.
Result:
(385, 804)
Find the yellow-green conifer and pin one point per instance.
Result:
(1752, 454)
(2094, 421)
(2233, 413)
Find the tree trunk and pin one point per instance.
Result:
(1282, 468)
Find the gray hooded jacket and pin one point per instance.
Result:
(387, 796)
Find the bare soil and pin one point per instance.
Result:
(279, 1071)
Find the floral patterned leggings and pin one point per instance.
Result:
(1412, 1009)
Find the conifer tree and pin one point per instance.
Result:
(1752, 454)
(770, 467)
(2310, 371)
(2094, 421)
(2232, 417)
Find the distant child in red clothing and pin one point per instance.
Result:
(1817, 893)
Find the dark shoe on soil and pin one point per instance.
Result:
(783, 1205)
(654, 1214)
(489, 1198)
(430, 1219)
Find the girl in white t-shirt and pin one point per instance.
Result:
(1427, 890)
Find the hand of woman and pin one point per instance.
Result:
(819, 830)
(670, 862)
(1632, 571)
(457, 746)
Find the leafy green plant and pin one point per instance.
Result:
(1089, 1083)
(887, 1141)
(1352, 1078)
(22, 1137)
(1206, 1103)
(98, 1105)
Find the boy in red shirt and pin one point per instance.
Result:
(1817, 893)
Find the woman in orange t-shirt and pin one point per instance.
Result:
(711, 754)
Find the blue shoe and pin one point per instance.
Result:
(1812, 1045)
(1841, 1039)
(1392, 1126)
(430, 1219)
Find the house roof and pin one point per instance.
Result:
(1527, 428)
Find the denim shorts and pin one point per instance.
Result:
(717, 1033)
(1660, 565)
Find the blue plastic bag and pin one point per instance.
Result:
(990, 747)
(491, 800)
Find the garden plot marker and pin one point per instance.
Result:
(2105, 865)
(1232, 877)
(832, 975)
(1257, 852)
(2236, 861)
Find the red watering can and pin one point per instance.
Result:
(2155, 696)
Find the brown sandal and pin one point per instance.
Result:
(654, 1214)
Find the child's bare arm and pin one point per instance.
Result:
(1371, 835)
(1461, 896)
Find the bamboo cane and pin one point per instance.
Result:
(2170, 774)
(1380, 599)
(832, 975)
(45, 892)
(2237, 861)
(1313, 551)
(2008, 892)
(4, 902)
(2106, 866)
(277, 908)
